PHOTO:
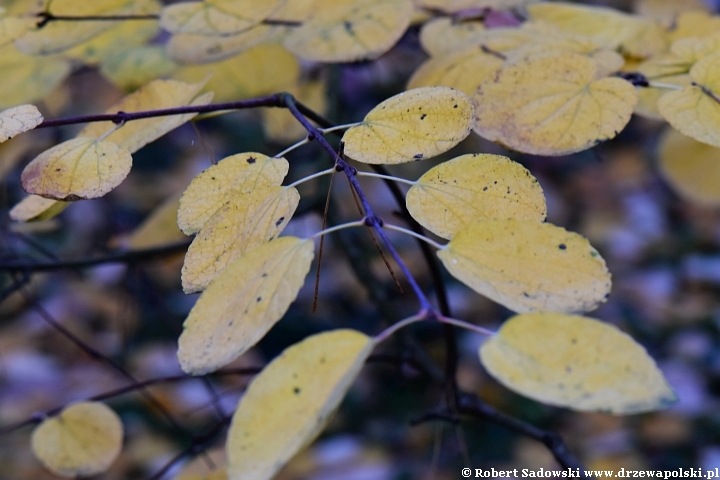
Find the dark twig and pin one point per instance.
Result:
(472, 406)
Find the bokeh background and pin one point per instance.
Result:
(662, 248)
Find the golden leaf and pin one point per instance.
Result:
(83, 440)
(411, 126)
(17, 120)
(460, 191)
(27, 79)
(77, 169)
(575, 362)
(526, 265)
(243, 303)
(288, 404)
(34, 208)
(552, 105)
(217, 17)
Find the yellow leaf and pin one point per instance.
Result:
(441, 35)
(473, 187)
(247, 220)
(413, 125)
(695, 24)
(552, 105)
(262, 70)
(243, 303)
(83, 440)
(77, 169)
(463, 70)
(667, 11)
(34, 208)
(288, 404)
(232, 176)
(13, 27)
(350, 30)
(575, 362)
(452, 6)
(295, 11)
(217, 17)
(132, 68)
(27, 79)
(279, 124)
(159, 228)
(156, 95)
(17, 120)
(526, 265)
(58, 36)
(690, 167)
(192, 48)
(695, 109)
(115, 39)
(218, 474)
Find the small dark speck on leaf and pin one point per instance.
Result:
(296, 391)
(280, 220)
(573, 341)
(455, 106)
(251, 160)
(422, 117)
(485, 189)
(418, 156)
(562, 246)
(258, 299)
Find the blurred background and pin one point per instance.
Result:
(660, 239)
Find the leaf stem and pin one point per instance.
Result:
(425, 239)
(340, 127)
(292, 147)
(666, 86)
(465, 325)
(422, 315)
(342, 226)
(386, 177)
(314, 175)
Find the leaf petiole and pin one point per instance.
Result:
(342, 226)
(310, 177)
(465, 325)
(386, 177)
(425, 239)
(292, 147)
(666, 86)
(422, 315)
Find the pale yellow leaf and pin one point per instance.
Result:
(13, 27)
(261, 70)
(115, 39)
(217, 17)
(413, 125)
(217, 474)
(193, 48)
(214, 187)
(453, 6)
(132, 68)
(243, 303)
(288, 404)
(695, 24)
(156, 95)
(463, 70)
(83, 440)
(35, 208)
(17, 120)
(350, 30)
(279, 124)
(247, 220)
(77, 169)
(575, 362)
(526, 265)
(441, 35)
(159, 228)
(695, 109)
(295, 11)
(474, 187)
(692, 168)
(58, 36)
(667, 11)
(552, 105)
(27, 79)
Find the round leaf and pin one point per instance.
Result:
(243, 223)
(77, 169)
(695, 109)
(289, 403)
(575, 362)
(194, 48)
(243, 303)
(85, 439)
(27, 79)
(17, 120)
(215, 186)
(216, 17)
(350, 30)
(691, 167)
(552, 105)
(413, 125)
(526, 265)
(474, 187)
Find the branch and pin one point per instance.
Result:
(471, 405)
